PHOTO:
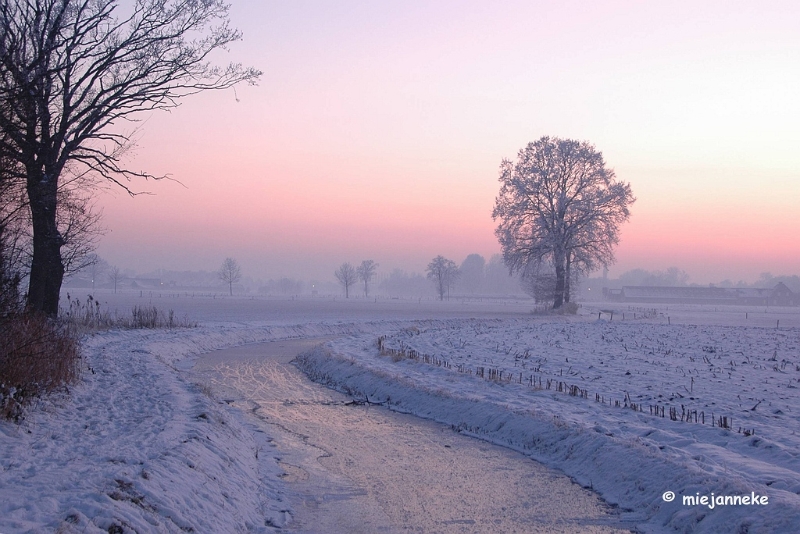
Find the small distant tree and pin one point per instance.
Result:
(347, 276)
(230, 273)
(443, 273)
(366, 272)
(115, 276)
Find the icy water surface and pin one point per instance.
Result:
(354, 468)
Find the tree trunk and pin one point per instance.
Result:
(47, 268)
(567, 278)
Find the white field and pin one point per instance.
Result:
(138, 444)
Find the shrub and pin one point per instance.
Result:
(37, 355)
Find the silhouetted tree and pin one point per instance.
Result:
(230, 273)
(444, 273)
(366, 272)
(72, 72)
(559, 204)
(347, 276)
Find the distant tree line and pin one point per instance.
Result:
(474, 277)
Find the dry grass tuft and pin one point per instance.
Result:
(89, 317)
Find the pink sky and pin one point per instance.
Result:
(377, 132)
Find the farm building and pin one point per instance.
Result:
(780, 295)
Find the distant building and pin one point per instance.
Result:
(780, 295)
(145, 283)
(783, 296)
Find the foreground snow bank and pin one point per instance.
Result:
(136, 446)
(629, 457)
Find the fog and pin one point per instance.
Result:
(479, 278)
(377, 133)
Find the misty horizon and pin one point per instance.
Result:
(503, 283)
(377, 133)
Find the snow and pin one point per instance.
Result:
(142, 443)
(139, 445)
(630, 457)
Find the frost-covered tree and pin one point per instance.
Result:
(443, 273)
(347, 275)
(230, 273)
(366, 272)
(559, 204)
(74, 76)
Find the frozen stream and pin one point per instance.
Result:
(352, 468)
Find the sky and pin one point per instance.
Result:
(378, 128)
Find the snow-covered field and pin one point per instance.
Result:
(139, 446)
(594, 397)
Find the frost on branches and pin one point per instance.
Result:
(559, 209)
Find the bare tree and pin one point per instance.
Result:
(73, 73)
(115, 276)
(366, 272)
(444, 273)
(559, 204)
(347, 276)
(230, 273)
